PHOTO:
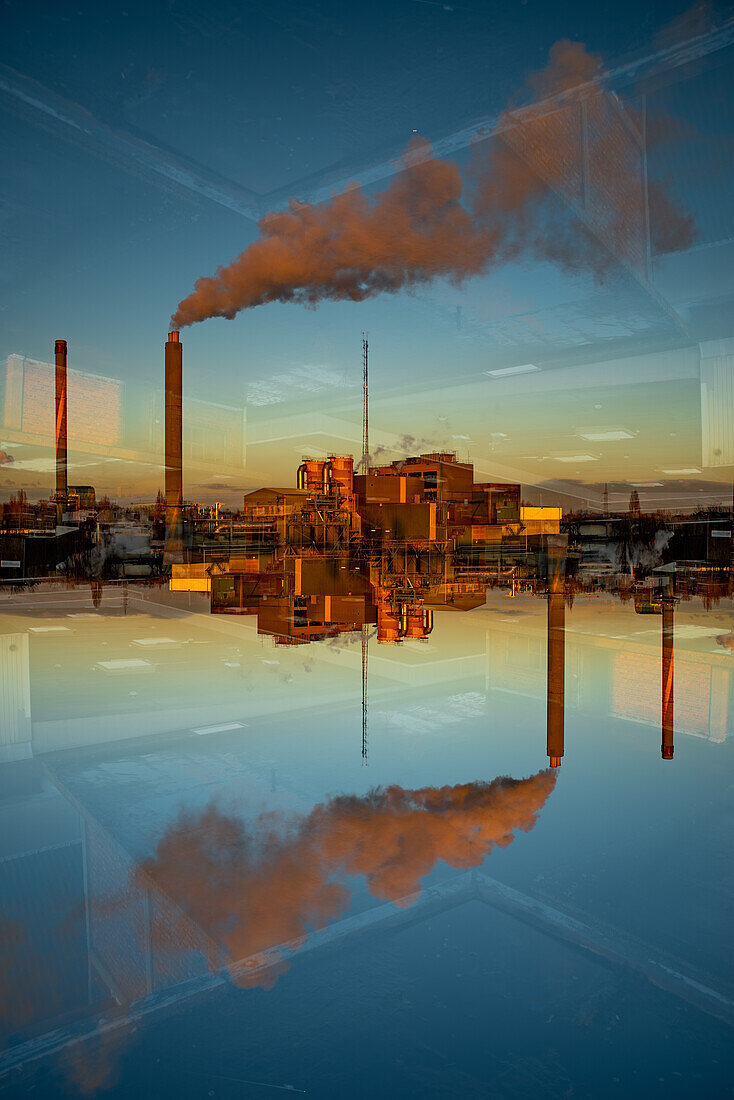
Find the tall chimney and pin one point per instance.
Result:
(62, 487)
(555, 689)
(173, 549)
(666, 746)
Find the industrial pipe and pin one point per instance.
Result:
(403, 620)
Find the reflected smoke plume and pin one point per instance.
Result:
(94, 1065)
(251, 888)
(542, 155)
(424, 226)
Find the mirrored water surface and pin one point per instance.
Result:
(495, 861)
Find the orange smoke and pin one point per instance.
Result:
(352, 247)
(94, 1064)
(423, 226)
(253, 889)
(540, 152)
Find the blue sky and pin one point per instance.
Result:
(105, 107)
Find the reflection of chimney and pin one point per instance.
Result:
(556, 545)
(173, 550)
(666, 747)
(61, 475)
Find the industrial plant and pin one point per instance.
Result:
(353, 544)
(366, 550)
(357, 547)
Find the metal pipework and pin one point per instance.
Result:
(314, 474)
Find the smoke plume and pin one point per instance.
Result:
(253, 888)
(429, 222)
(352, 247)
(94, 1065)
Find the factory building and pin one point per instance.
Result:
(384, 548)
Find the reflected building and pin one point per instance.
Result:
(384, 547)
(171, 665)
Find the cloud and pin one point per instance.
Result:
(426, 224)
(351, 247)
(93, 1064)
(250, 888)
(220, 486)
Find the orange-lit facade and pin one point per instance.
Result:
(383, 548)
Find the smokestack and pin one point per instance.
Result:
(556, 549)
(61, 473)
(173, 549)
(666, 747)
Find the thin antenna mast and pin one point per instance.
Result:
(365, 406)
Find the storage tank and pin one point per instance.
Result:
(342, 478)
(314, 474)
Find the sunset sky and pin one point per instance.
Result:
(133, 168)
